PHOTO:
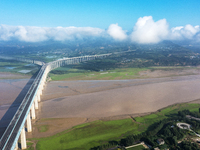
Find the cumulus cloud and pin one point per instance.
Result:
(146, 30)
(70, 33)
(186, 32)
(36, 34)
(116, 32)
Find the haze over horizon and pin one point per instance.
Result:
(142, 22)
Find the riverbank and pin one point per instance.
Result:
(71, 74)
(89, 135)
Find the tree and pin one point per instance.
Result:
(174, 140)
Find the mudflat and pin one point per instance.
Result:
(12, 92)
(7, 75)
(68, 103)
(107, 98)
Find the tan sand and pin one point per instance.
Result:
(8, 75)
(92, 99)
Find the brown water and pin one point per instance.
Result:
(92, 99)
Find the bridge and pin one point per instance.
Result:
(26, 110)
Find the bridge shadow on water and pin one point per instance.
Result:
(5, 120)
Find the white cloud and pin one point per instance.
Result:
(30, 34)
(116, 32)
(187, 32)
(148, 31)
(145, 31)
(6, 32)
(36, 34)
(69, 33)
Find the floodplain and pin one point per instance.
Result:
(110, 109)
(84, 109)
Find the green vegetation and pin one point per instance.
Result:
(43, 128)
(16, 66)
(72, 72)
(91, 135)
(30, 146)
(164, 53)
(88, 135)
(65, 73)
(140, 147)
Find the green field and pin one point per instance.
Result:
(93, 134)
(72, 72)
(30, 146)
(115, 74)
(89, 135)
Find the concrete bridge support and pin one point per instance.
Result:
(40, 91)
(28, 120)
(33, 111)
(36, 103)
(23, 139)
(38, 96)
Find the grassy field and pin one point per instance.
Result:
(140, 147)
(30, 146)
(89, 135)
(71, 73)
(116, 74)
(95, 133)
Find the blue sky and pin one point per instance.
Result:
(141, 21)
(97, 13)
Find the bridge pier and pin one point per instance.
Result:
(23, 139)
(40, 90)
(33, 111)
(28, 120)
(38, 96)
(36, 103)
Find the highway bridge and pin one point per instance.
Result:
(26, 111)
